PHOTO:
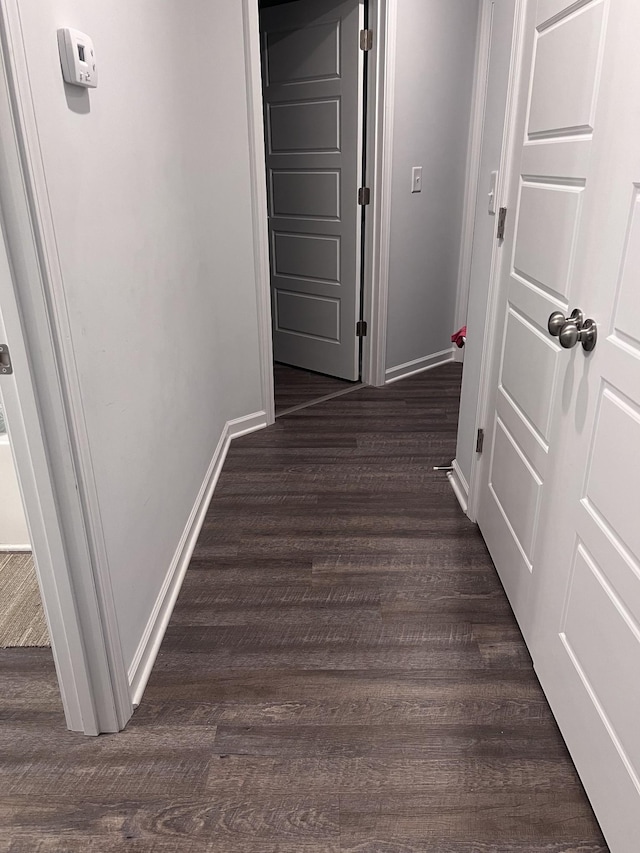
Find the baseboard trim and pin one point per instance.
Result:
(402, 371)
(147, 651)
(23, 549)
(459, 485)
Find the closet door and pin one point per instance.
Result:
(586, 592)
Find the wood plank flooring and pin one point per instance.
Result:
(295, 387)
(342, 673)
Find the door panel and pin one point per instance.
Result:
(312, 74)
(558, 88)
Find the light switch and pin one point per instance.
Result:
(416, 179)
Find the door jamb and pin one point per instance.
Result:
(379, 143)
(492, 336)
(44, 415)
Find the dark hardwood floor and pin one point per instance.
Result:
(342, 671)
(294, 387)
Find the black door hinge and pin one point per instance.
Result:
(502, 221)
(361, 329)
(366, 39)
(6, 367)
(364, 195)
(480, 441)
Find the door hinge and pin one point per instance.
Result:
(6, 366)
(361, 329)
(502, 221)
(366, 39)
(480, 441)
(364, 195)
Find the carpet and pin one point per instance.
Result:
(22, 620)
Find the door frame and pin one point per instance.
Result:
(379, 158)
(44, 418)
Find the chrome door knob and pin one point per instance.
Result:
(587, 335)
(569, 335)
(557, 320)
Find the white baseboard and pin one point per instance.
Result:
(147, 651)
(22, 548)
(459, 485)
(402, 371)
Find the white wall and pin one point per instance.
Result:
(149, 186)
(436, 42)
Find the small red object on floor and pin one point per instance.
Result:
(460, 337)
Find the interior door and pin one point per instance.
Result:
(551, 180)
(586, 596)
(313, 84)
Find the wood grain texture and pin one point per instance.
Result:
(342, 673)
(295, 387)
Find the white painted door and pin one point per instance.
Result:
(586, 594)
(561, 508)
(502, 13)
(313, 84)
(550, 182)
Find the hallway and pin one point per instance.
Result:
(342, 671)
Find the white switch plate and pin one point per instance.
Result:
(416, 179)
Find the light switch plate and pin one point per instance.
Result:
(416, 179)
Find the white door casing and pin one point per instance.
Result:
(313, 93)
(552, 163)
(586, 595)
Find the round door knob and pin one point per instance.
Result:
(556, 322)
(569, 335)
(589, 335)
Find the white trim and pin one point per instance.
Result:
(474, 157)
(381, 101)
(45, 420)
(253, 73)
(147, 650)
(8, 549)
(418, 365)
(491, 326)
(459, 485)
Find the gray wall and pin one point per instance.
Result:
(434, 79)
(149, 186)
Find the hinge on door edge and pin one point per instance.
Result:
(502, 220)
(361, 329)
(366, 39)
(6, 367)
(364, 195)
(480, 441)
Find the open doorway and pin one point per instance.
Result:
(313, 60)
(22, 619)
